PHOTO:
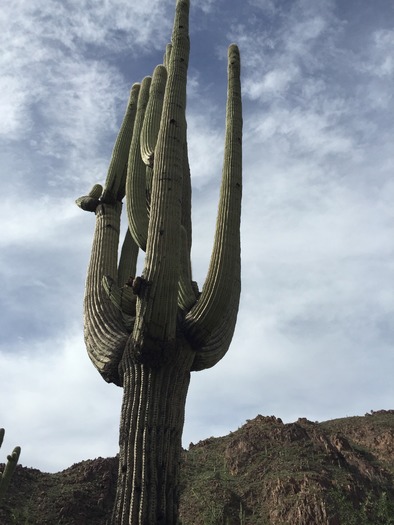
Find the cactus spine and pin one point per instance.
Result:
(147, 333)
(10, 466)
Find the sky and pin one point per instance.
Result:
(315, 331)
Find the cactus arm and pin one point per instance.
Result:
(167, 55)
(105, 333)
(128, 260)
(216, 307)
(123, 298)
(156, 317)
(105, 328)
(187, 294)
(116, 177)
(218, 342)
(187, 197)
(136, 174)
(121, 293)
(151, 124)
(12, 460)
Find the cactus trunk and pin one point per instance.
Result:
(150, 439)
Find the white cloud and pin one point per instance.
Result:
(268, 6)
(279, 58)
(206, 146)
(86, 22)
(12, 104)
(206, 5)
(382, 63)
(39, 223)
(274, 82)
(45, 65)
(54, 390)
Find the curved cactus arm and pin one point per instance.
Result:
(136, 174)
(218, 342)
(12, 460)
(157, 306)
(188, 291)
(128, 260)
(106, 329)
(214, 306)
(123, 298)
(149, 178)
(151, 124)
(121, 293)
(167, 55)
(187, 197)
(116, 177)
(187, 294)
(105, 333)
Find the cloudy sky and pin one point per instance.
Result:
(315, 331)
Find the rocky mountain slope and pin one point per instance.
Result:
(339, 472)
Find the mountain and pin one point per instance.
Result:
(338, 472)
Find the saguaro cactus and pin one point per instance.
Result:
(147, 333)
(10, 466)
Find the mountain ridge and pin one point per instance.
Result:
(337, 472)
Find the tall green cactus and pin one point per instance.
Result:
(147, 333)
(10, 466)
